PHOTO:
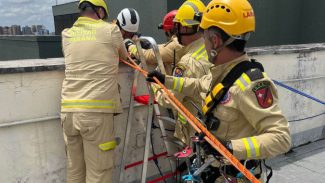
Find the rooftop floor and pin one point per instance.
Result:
(304, 164)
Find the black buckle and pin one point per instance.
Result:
(212, 122)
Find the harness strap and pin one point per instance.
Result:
(219, 90)
(268, 177)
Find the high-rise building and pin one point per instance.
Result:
(39, 27)
(39, 30)
(27, 30)
(6, 30)
(15, 30)
(34, 28)
(43, 31)
(10, 31)
(1, 30)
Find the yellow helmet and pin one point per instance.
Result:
(190, 13)
(235, 17)
(99, 3)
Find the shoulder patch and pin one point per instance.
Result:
(263, 94)
(178, 71)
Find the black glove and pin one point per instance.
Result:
(208, 149)
(145, 44)
(158, 75)
(128, 43)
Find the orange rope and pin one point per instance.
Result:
(198, 126)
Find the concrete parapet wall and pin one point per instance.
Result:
(32, 152)
(301, 67)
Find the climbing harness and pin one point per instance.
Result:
(218, 91)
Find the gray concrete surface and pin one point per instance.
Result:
(304, 164)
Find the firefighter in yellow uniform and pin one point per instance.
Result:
(90, 94)
(193, 64)
(167, 50)
(248, 119)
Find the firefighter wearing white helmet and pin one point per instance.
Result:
(167, 50)
(241, 107)
(90, 94)
(128, 20)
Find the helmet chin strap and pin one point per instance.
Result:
(214, 52)
(179, 35)
(94, 9)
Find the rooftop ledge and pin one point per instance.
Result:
(286, 49)
(31, 65)
(38, 65)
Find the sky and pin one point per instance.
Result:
(28, 12)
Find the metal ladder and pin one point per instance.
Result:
(151, 108)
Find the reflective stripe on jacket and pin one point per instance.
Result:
(193, 64)
(91, 49)
(249, 114)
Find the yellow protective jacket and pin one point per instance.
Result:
(166, 52)
(193, 64)
(249, 114)
(91, 49)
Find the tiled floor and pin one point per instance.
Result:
(304, 164)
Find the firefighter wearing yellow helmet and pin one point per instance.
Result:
(193, 63)
(241, 107)
(95, 4)
(90, 94)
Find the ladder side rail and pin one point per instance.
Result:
(128, 126)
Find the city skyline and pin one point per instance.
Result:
(24, 30)
(28, 12)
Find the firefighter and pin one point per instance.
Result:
(128, 21)
(193, 64)
(242, 106)
(167, 50)
(168, 24)
(90, 94)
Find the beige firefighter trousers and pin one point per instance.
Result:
(83, 132)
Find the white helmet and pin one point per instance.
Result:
(128, 19)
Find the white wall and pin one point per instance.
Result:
(303, 70)
(32, 152)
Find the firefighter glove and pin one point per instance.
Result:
(145, 44)
(158, 75)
